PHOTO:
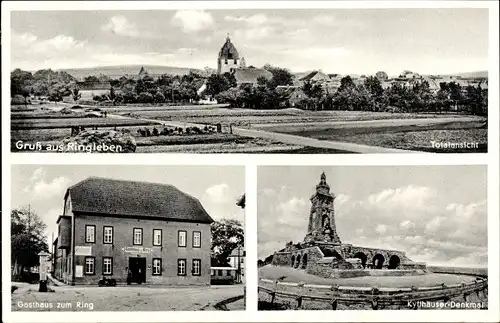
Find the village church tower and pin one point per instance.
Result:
(228, 59)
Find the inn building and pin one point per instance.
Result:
(134, 232)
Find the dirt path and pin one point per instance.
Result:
(311, 142)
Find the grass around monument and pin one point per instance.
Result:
(289, 274)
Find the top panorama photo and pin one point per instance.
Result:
(290, 81)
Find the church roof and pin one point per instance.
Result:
(130, 199)
(228, 51)
(250, 75)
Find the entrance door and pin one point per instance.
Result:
(137, 267)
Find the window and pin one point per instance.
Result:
(181, 267)
(182, 238)
(107, 266)
(196, 239)
(235, 61)
(242, 260)
(156, 237)
(89, 265)
(219, 272)
(228, 272)
(90, 233)
(156, 266)
(196, 267)
(225, 61)
(108, 235)
(137, 236)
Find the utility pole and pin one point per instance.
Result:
(29, 232)
(239, 265)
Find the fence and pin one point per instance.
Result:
(376, 297)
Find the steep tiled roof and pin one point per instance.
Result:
(251, 74)
(228, 50)
(102, 196)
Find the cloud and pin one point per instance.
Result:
(193, 21)
(31, 43)
(37, 174)
(217, 194)
(255, 33)
(42, 189)
(120, 25)
(255, 20)
(64, 51)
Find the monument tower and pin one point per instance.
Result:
(322, 226)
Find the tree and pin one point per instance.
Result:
(381, 75)
(76, 94)
(21, 83)
(281, 76)
(217, 83)
(233, 96)
(226, 236)
(314, 93)
(346, 83)
(112, 95)
(27, 239)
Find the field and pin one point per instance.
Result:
(375, 129)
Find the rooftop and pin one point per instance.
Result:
(103, 196)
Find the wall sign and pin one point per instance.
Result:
(83, 251)
(136, 250)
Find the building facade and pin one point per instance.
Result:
(134, 232)
(237, 260)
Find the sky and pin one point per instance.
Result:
(436, 214)
(43, 186)
(345, 41)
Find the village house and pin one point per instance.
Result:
(134, 232)
(237, 260)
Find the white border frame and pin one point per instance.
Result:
(491, 159)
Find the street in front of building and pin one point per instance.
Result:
(125, 298)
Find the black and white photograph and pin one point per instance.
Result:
(127, 238)
(293, 81)
(263, 161)
(372, 237)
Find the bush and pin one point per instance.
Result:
(159, 98)
(129, 98)
(145, 97)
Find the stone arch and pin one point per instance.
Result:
(394, 262)
(293, 260)
(378, 261)
(297, 261)
(362, 256)
(304, 261)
